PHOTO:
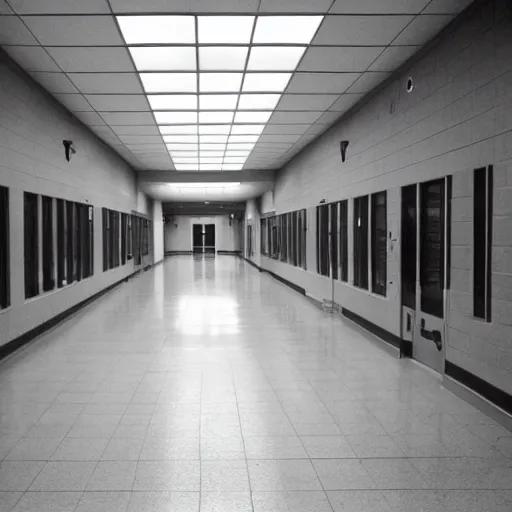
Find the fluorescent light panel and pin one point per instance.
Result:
(252, 117)
(232, 167)
(184, 154)
(176, 117)
(186, 167)
(173, 101)
(220, 82)
(210, 167)
(158, 29)
(286, 29)
(270, 58)
(231, 184)
(173, 146)
(182, 129)
(236, 139)
(238, 147)
(169, 82)
(216, 117)
(222, 58)
(247, 129)
(214, 139)
(218, 101)
(164, 58)
(266, 82)
(225, 29)
(215, 129)
(181, 160)
(191, 139)
(258, 101)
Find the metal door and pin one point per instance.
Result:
(209, 238)
(197, 238)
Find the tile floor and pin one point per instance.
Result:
(205, 386)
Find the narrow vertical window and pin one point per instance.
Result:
(47, 240)
(124, 231)
(409, 251)
(361, 242)
(61, 244)
(130, 237)
(379, 243)
(80, 235)
(105, 219)
(294, 239)
(323, 239)
(31, 245)
(482, 242)
(70, 242)
(145, 237)
(5, 300)
(115, 239)
(344, 240)
(334, 239)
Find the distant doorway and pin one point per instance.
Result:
(203, 238)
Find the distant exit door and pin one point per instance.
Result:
(203, 238)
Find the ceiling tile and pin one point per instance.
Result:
(321, 83)
(32, 58)
(291, 6)
(379, 7)
(188, 6)
(345, 101)
(54, 82)
(360, 30)
(393, 57)
(94, 60)
(118, 103)
(90, 118)
(422, 29)
(447, 6)
(60, 6)
(13, 31)
(136, 130)
(306, 101)
(140, 139)
(316, 129)
(4, 8)
(74, 102)
(74, 30)
(328, 117)
(278, 138)
(98, 83)
(128, 118)
(285, 129)
(294, 117)
(368, 82)
(339, 59)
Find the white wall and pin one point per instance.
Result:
(458, 118)
(32, 128)
(178, 232)
(158, 232)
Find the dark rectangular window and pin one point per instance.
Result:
(79, 239)
(482, 242)
(115, 230)
(145, 237)
(379, 243)
(61, 243)
(409, 245)
(294, 238)
(31, 245)
(334, 239)
(275, 238)
(344, 240)
(322, 237)
(361, 242)
(70, 242)
(130, 237)
(124, 235)
(48, 262)
(302, 245)
(5, 295)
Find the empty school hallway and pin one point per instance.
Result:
(205, 385)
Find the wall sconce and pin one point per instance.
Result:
(68, 148)
(343, 148)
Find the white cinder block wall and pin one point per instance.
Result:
(178, 232)
(32, 128)
(458, 118)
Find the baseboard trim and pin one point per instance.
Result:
(405, 347)
(179, 253)
(229, 253)
(480, 387)
(293, 286)
(27, 337)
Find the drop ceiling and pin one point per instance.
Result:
(214, 85)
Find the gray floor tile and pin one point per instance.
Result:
(283, 475)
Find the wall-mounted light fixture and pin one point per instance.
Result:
(69, 149)
(343, 149)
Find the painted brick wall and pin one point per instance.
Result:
(32, 127)
(458, 118)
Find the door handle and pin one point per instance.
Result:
(434, 336)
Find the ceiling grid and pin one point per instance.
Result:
(196, 85)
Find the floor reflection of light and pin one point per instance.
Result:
(214, 316)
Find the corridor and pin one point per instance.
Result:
(203, 385)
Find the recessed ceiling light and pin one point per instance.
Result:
(286, 29)
(232, 167)
(169, 82)
(250, 129)
(266, 82)
(243, 138)
(237, 153)
(186, 167)
(212, 147)
(220, 82)
(231, 184)
(173, 101)
(213, 139)
(182, 147)
(222, 58)
(252, 117)
(214, 154)
(176, 117)
(210, 167)
(269, 58)
(164, 58)
(238, 147)
(191, 139)
(157, 29)
(216, 117)
(214, 129)
(181, 160)
(225, 29)
(208, 160)
(234, 160)
(184, 154)
(258, 101)
(218, 101)
(182, 129)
